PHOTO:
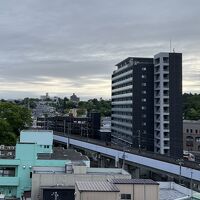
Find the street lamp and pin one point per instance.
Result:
(123, 161)
(180, 162)
(69, 131)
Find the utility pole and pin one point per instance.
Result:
(116, 161)
(123, 159)
(64, 126)
(68, 132)
(191, 183)
(180, 162)
(87, 129)
(81, 128)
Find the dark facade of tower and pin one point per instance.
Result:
(132, 103)
(147, 104)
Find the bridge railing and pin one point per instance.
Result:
(186, 163)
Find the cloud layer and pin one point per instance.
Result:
(67, 46)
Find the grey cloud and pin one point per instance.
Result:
(59, 69)
(82, 40)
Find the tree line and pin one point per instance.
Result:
(191, 106)
(13, 119)
(16, 116)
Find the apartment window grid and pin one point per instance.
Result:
(161, 95)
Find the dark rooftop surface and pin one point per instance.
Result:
(62, 154)
(134, 181)
(141, 59)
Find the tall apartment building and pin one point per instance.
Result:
(146, 103)
(168, 123)
(132, 103)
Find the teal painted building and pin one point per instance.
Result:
(34, 149)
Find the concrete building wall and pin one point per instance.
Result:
(126, 189)
(191, 135)
(140, 192)
(8, 190)
(152, 192)
(98, 196)
(168, 104)
(77, 194)
(144, 192)
(38, 137)
(43, 180)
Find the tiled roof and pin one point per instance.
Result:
(134, 181)
(96, 186)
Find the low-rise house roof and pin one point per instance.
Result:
(96, 186)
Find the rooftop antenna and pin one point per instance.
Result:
(170, 45)
(173, 50)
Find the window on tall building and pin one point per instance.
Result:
(143, 76)
(144, 132)
(165, 59)
(157, 61)
(143, 107)
(144, 91)
(144, 99)
(144, 116)
(166, 68)
(144, 84)
(144, 68)
(197, 139)
(189, 141)
(144, 123)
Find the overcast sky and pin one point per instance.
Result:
(66, 46)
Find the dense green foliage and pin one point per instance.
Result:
(101, 106)
(191, 106)
(13, 118)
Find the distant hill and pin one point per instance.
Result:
(191, 106)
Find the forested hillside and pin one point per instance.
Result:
(191, 106)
